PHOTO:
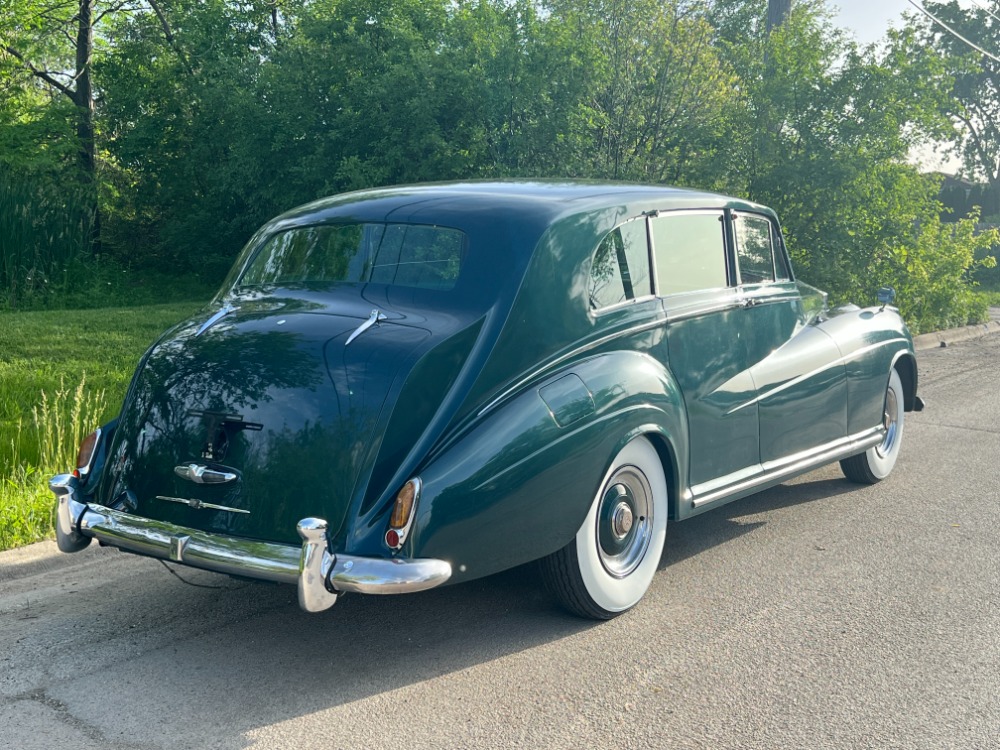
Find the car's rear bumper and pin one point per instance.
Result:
(319, 574)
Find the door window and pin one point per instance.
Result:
(690, 251)
(755, 249)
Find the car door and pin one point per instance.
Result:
(796, 367)
(706, 345)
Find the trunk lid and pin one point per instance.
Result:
(261, 419)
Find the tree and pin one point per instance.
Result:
(822, 135)
(189, 165)
(972, 77)
(656, 88)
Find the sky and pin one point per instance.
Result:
(869, 19)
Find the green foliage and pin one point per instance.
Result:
(43, 230)
(970, 79)
(822, 137)
(60, 421)
(932, 273)
(26, 506)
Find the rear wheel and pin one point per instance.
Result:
(608, 566)
(875, 463)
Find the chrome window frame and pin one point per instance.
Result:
(737, 214)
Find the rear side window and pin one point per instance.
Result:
(408, 255)
(690, 252)
(619, 271)
(755, 249)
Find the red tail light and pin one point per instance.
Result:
(86, 455)
(402, 514)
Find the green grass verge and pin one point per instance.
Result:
(62, 373)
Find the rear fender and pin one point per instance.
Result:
(518, 484)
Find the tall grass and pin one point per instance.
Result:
(59, 423)
(44, 230)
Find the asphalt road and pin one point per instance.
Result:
(819, 614)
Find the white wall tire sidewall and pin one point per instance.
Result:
(618, 594)
(882, 465)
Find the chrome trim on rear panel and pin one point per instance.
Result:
(201, 474)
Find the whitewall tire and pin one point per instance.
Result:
(607, 568)
(877, 462)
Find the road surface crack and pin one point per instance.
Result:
(965, 427)
(62, 712)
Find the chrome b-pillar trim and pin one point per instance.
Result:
(314, 565)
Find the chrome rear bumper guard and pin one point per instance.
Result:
(319, 574)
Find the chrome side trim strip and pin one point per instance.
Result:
(679, 314)
(798, 463)
(319, 574)
(728, 479)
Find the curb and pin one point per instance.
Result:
(938, 339)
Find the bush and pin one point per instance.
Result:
(934, 273)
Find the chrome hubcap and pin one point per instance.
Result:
(624, 521)
(890, 423)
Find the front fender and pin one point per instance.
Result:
(519, 482)
(871, 341)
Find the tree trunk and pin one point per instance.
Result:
(777, 12)
(83, 98)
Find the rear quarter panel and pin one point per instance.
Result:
(517, 484)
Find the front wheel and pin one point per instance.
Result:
(875, 463)
(608, 566)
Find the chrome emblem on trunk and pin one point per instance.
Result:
(200, 504)
(200, 474)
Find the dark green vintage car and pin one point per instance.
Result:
(404, 387)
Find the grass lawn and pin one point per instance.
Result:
(53, 353)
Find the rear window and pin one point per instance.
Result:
(408, 255)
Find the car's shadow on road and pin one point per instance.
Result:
(716, 527)
(252, 654)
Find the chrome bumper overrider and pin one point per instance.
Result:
(319, 574)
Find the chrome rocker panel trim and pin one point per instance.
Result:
(319, 574)
(773, 472)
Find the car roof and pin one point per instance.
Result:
(541, 202)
